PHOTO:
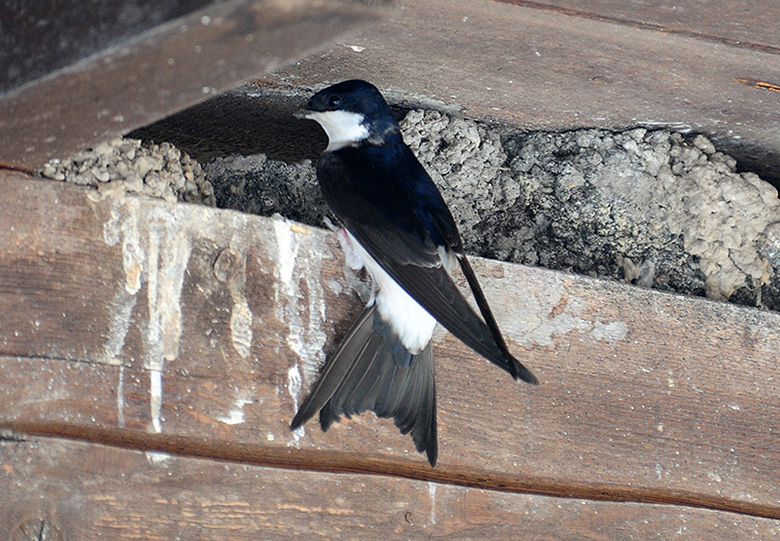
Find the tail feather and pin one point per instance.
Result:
(334, 372)
(367, 373)
(389, 401)
(514, 366)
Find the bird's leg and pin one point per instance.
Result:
(351, 257)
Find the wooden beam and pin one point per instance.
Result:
(569, 64)
(746, 25)
(157, 70)
(71, 490)
(197, 332)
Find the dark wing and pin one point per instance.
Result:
(391, 206)
(366, 373)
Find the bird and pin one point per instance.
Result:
(395, 223)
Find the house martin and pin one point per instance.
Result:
(395, 223)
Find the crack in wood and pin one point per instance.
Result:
(11, 436)
(642, 25)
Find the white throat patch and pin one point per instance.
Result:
(343, 128)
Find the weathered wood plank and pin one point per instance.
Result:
(744, 24)
(532, 67)
(198, 331)
(151, 74)
(74, 490)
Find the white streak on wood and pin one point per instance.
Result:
(541, 316)
(155, 400)
(299, 260)
(154, 358)
(241, 324)
(157, 458)
(123, 226)
(120, 398)
(156, 248)
(236, 415)
(294, 385)
(119, 325)
(288, 249)
(231, 270)
(610, 332)
(169, 253)
(432, 494)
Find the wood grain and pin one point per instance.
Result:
(197, 331)
(538, 66)
(79, 491)
(151, 72)
(750, 25)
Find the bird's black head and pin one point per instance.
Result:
(351, 112)
(354, 96)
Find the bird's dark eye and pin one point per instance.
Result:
(334, 101)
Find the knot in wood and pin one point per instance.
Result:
(227, 266)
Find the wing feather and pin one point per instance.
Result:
(399, 223)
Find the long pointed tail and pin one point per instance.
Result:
(503, 355)
(371, 370)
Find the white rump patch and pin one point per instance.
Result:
(343, 128)
(411, 322)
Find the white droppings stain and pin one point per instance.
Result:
(299, 262)
(156, 248)
(156, 243)
(538, 317)
(432, 494)
(545, 328)
(123, 227)
(120, 398)
(241, 325)
(734, 407)
(335, 286)
(157, 458)
(241, 317)
(154, 358)
(169, 253)
(609, 332)
(270, 436)
(714, 477)
(294, 385)
(288, 249)
(236, 414)
(119, 325)
(155, 393)
(235, 417)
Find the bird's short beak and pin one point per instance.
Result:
(302, 114)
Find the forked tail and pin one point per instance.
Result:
(371, 370)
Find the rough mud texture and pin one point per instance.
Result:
(127, 166)
(263, 186)
(670, 211)
(654, 208)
